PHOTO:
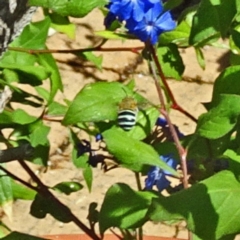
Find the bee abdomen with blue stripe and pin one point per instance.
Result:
(127, 113)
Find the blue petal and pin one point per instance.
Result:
(165, 22)
(153, 13)
(162, 122)
(114, 8)
(138, 11)
(152, 177)
(125, 11)
(162, 183)
(98, 137)
(170, 162)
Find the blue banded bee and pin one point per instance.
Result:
(127, 113)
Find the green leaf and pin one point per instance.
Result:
(68, 187)
(172, 4)
(41, 154)
(96, 60)
(214, 216)
(178, 36)
(22, 192)
(39, 133)
(42, 92)
(39, 140)
(74, 8)
(6, 194)
(124, 208)
(236, 37)
(95, 102)
(171, 61)
(21, 117)
(57, 109)
(32, 75)
(221, 14)
(4, 230)
(88, 177)
(43, 205)
(200, 58)
(131, 153)
(221, 119)
(167, 148)
(234, 59)
(202, 148)
(112, 35)
(233, 161)
(80, 162)
(34, 35)
(50, 65)
(228, 82)
(146, 120)
(63, 25)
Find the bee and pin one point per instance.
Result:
(127, 113)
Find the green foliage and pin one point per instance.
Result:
(171, 61)
(210, 206)
(68, 187)
(75, 8)
(206, 218)
(221, 119)
(6, 193)
(221, 14)
(123, 207)
(85, 108)
(130, 153)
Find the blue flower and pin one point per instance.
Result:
(162, 122)
(154, 22)
(157, 176)
(98, 137)
(126, 9)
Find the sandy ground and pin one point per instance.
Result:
(121, 66)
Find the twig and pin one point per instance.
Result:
(18, 179)
(26, 150)
(79, 50)
(44, 191)
(163, 111)
(23, 151)
(140, 230)
(174, 105)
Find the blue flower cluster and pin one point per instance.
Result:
(145, 19)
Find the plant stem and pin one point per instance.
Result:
(44, 191)
(137, 176)
(163, 111)
(18, 179)
(99, 48)
(79, 50)
(174, 105)
(140, 230)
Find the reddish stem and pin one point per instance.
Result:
(79, 50)
(170, 94)
(163, 111)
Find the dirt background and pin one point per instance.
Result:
(195, 88)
